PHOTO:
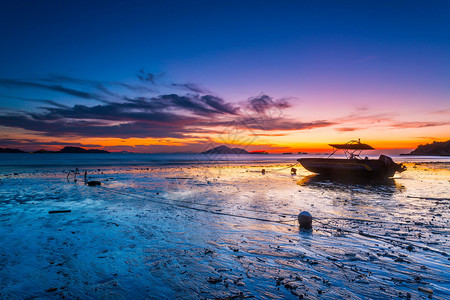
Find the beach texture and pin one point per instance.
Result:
(203, 232)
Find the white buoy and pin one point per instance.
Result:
(305, 220)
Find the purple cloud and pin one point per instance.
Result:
(163, 116)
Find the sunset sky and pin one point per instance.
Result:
(184, 76)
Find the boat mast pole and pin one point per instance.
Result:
(334, 151)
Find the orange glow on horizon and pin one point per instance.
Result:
(309, 141)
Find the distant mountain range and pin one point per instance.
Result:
(225, 150)
(63, 150)
(9, 150)
(433, 149)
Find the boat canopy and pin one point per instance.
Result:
(351, 149)
(356, 146)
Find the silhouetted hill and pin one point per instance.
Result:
(9, 150)
(225, 150)
(73, 150)
(80, 150)
(44, 151)
(433, 149)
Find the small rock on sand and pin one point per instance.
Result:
(94, 183)
(214, 280)
(59, 211)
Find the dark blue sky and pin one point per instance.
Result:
(112, 39)
(352, 54)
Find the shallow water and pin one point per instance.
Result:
(225, 231)
(12, 162)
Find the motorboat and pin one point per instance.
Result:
(353, 164)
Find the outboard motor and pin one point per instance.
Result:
(391, 165)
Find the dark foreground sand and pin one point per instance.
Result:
(218, 232)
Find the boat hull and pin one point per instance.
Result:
(350, 167)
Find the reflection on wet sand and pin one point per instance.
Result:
(370, 185)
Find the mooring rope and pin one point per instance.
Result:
(216, 205)
(283, 222)
(283, 214)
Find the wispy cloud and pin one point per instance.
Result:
(147, 77)
(104, 88)
(418, 124)
(441, 112)
(162, 116)
(263, 103)
(44, 101)
(191, 87)
(347, 129)
(13, 83)
(365, 118)
(142, 116)
(274, 124)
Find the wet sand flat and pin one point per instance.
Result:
(204, 232)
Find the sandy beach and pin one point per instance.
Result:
(202, 232)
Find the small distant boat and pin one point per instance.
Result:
(354, 165)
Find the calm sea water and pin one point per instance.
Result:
(11, 162)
